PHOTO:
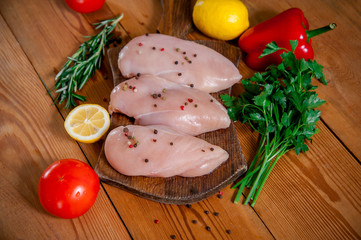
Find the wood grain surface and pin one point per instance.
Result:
(316, 195)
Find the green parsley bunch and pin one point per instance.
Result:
(280, 105)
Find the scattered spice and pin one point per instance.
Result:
(126, 134)
(135, 145)
(155, 105)
(129, 142)
(208, 228)
(154, 95)
(219, 196)
(173, 236)
(190, 100)
(212, 149)
(155, 131)
(164, 90)
(184, 52)
(186, 58)
(189, 61)
(125, 129)
(195, 55)
(179, 74)
(177, 49)
(130, 146)
(129, 137)
(138, 74)
(130, 87)
(191, 85)
(159, 95)
(182, 107)
(176, 62)
(162, 49)
(195, 105)
(163, 98)
(140, 44)
(105, 76)
(186, 103)
(211, 100)
(153, 48)
(154, 140)
(228, 231)
(220, 193)
(206, 212)
(189, 206)
(156, 221)
(203, 150)
(216, 213)
(135, 90)
(147, 34)
(194, 221)
(125, 87)
(171, 143)
(146, 160)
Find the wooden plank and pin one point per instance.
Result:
(31, 138)
(315, 195)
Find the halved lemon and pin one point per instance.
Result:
(87, 123)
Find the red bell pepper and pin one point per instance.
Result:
(288, 25)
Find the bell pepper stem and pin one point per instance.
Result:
(318, 31)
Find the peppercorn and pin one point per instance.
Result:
(208, 228)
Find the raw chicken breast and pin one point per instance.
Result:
(181, 61)
(158, 151)
(155, 101)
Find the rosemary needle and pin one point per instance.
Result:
(83, 64)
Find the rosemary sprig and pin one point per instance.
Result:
(83, 64)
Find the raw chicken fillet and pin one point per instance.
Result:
(181, 61)
(158, 151)
(155, 101)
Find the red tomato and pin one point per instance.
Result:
(68, 188)
(85, 6)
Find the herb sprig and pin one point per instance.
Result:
(280, 105)
(83, 64)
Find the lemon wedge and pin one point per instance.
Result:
(87, 123)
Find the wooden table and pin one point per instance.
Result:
(316, 195)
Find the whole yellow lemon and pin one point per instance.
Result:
(221, 19)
